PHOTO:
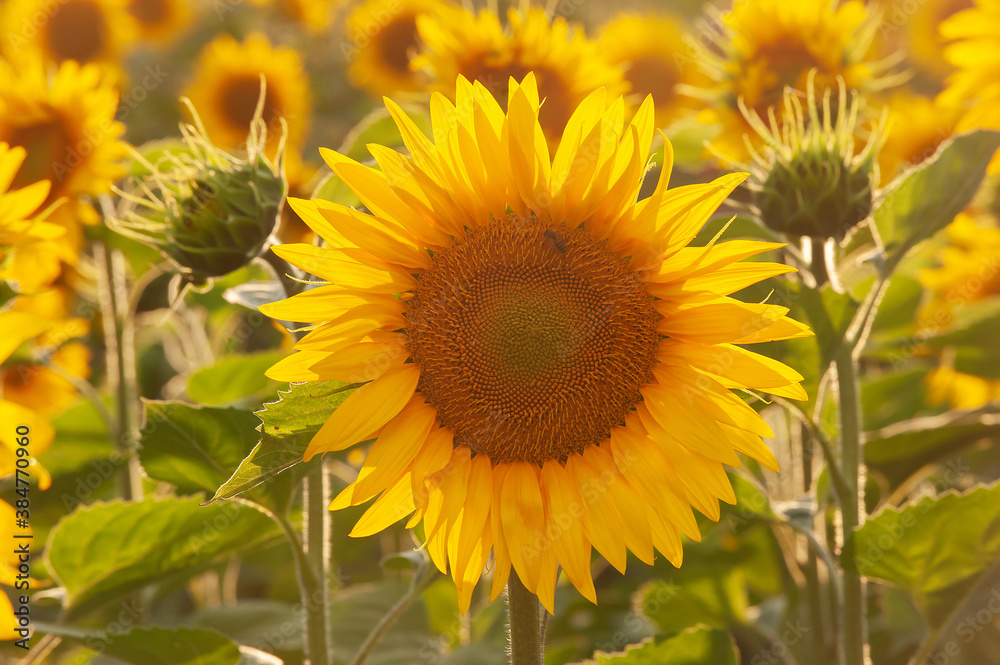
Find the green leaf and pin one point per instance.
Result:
(827, 312)
(155, 645)
(717, 600)
(355, 610)
(262, 624)
(107, 550)
(81, 439)
(234, 378)
(332, 188)
(286, 428)
(937, 550)
(192, 447)
(924, 200)
(900, 450)
(696, 646)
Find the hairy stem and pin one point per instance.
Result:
(316, 496)
(525, 627)
(312, 596)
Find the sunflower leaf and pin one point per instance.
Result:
(233, 378)
(925, 199)
(939, 550)
(690, 647)
(155, 645)
(286, 428)
(104, 551)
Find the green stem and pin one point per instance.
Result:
(525, 615)
(852, 510)
(316, 496)
(119, 343)
(312, 598)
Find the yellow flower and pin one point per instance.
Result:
(975, 52)
(917, 126)
(302, 180)
(82, 30)
(227, 88)
(567, 65)
(381, 40)
(967, 273)
(9, 563)
(66, 125)
(16, 328)
(919, 23)
(160, 21)
(545, 364)
(314, 15)
(21, 221)
(771, 44)
(656, 60)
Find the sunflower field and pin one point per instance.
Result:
(489, 332)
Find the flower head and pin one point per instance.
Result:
(228, 83)
(160, 21)
(566, 64)
(770, 45)
(809, 181)
(545, 366)
(206, 210)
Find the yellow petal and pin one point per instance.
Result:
(393, 505)
(368, 409)
(523, 517)
(564, 511)
(601, 519)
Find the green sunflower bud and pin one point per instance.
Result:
(809, 181)
(207, 211)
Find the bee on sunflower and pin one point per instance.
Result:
(544, 363)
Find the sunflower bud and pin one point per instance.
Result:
(207, 211)
(809, 181)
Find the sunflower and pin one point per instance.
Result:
(975, 52)
(567, 65)
(314, 15)
(66, 127)
(652, 51)
(160, 21)
(227, 88)
(21, 221)
(545, 364)
(81, 30)
(17, 328)
(381, 40)
(921, 37)
(769, 45)
(967, 273)
(917, 126)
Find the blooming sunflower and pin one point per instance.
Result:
(545, 364)
(975, 52)
(652, 51)
(382, 39)
(917, 126)
(160, 21)
(769, 45)
(566, 64)
(921, 37)
(66, 127)
(82, 30)
(21, 222)
(227, 88)
(967, 273)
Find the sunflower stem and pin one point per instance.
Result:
(525, 623)
(316, 496)
(852, 510)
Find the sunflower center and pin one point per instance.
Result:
(239, 101)
(397, 41)
(77, 31)
(149, 12)
(47, 144)
(533, 339)
(655, 75)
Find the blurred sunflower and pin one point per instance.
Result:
(652, 51)
(567, 65)
(17, 328)
(314, 15)
(160, 21)
(21, 218)
(975, 52)
(82, 30)
(769, 45)
(921, 37)
(302, 177)
(8, 569)
(382, 39)
(527, 332)
(967, 273)
(227, 88)
(66, 126)
(917, 126)
(38, 379)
